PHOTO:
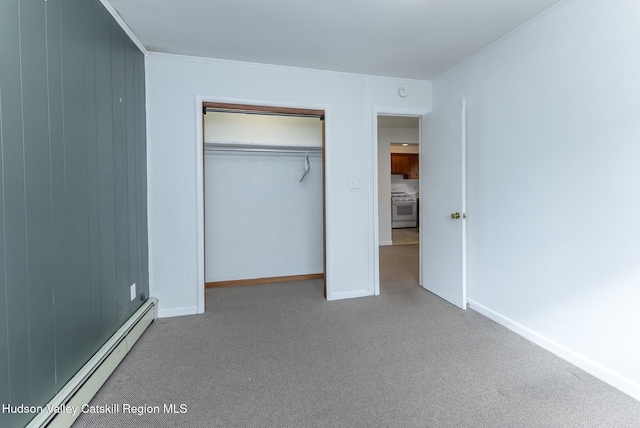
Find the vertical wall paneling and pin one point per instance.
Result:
(72, 191)
(130, 147)
(121, 218)
(58, 193)
(75, 165)
(4, 339)
(105, 152)
(91, 103)
(37, 198)
(10, 129)
(140, 125)
(17, 305)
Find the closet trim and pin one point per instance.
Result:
(268, 110)
(254, 109)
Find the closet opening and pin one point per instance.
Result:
(264, 194)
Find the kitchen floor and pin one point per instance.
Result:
(407, 235)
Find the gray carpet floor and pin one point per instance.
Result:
(279, 355)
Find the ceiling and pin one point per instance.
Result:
(417, 39)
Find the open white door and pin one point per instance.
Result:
(442, 203)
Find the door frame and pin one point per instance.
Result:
(200, 101)
(385, 111)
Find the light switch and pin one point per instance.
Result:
(354, 183)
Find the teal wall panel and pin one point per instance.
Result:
(75, 154)
(4, 339)
(141, 187)
(131, 173)
(105, 170)
(92, 163)
(73, 227)
(61, 295)
(14, 227)
(118, 76)
(37, 191)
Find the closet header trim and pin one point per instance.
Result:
(264, 110)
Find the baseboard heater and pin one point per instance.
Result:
(84, 385)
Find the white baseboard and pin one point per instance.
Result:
(348, 295)
(606, 375)
(384, 243)
(177, 312)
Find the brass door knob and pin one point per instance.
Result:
(455, 216)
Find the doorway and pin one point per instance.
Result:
(398, 174)
(263, 191)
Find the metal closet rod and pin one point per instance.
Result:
(255, 148)
(262, 113)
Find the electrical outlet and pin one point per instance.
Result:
(133, 291)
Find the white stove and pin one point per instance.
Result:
(404, 210)
(401, 196)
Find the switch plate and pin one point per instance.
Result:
(354, 183)
(133, 291)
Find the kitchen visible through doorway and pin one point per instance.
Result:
(398, 181)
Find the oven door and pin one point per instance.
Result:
(404, 214)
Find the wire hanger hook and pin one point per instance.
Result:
(307, 166)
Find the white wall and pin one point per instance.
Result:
(175, 84)
(262, 129)
(411, 185)
(386, 136)
(552, 153)
(260, 220)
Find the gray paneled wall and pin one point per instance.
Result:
(73, 221)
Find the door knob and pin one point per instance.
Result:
(455, 216)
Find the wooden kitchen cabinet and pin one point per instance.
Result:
(406, 164)
(399, 163)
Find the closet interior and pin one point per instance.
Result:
(263, 195)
